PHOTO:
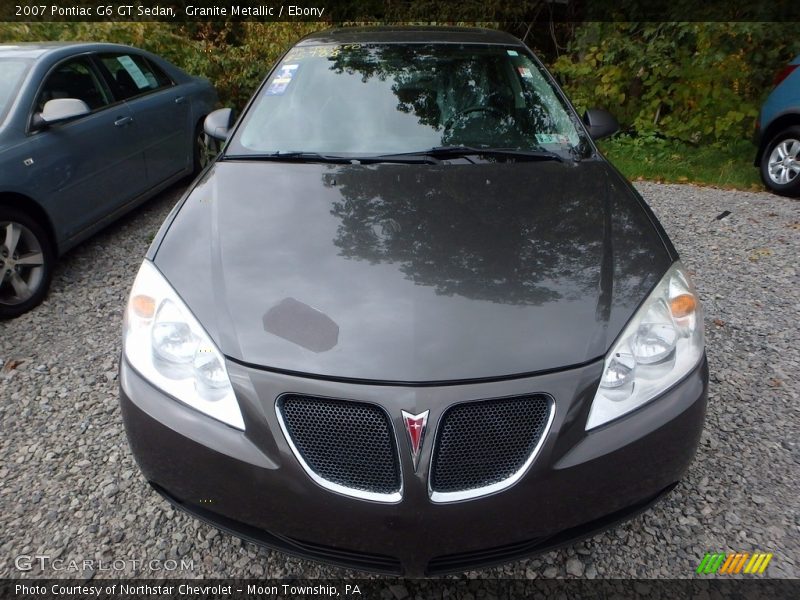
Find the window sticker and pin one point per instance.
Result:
(525, 72)
(326, 51)
(552, 138)
(134, 71)
(278, 85)
(512, 52)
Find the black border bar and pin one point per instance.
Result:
(376, 11)
(753, 588)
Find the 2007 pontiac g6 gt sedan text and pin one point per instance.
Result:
(410, 320)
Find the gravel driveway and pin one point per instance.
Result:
(69, 487)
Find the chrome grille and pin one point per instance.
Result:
(344, 445)
(481, 445)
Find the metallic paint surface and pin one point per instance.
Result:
(254, 477)
(87, 172)
(426, 273)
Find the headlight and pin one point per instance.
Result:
(168, 347)
(661, 345)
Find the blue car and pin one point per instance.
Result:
(779, 133)
(87, 133)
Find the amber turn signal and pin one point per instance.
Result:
(682, 306)
(143, 306)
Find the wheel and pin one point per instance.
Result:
(26, 263)
(780, 163)
(200, 151)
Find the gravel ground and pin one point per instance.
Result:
(69, 487)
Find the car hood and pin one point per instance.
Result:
(413, 273)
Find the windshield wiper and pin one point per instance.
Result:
(299, 156)
(432, 155)
(467, 151)
(292, 156)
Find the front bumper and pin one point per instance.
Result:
(251, 484)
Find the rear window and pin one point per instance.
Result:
(12, 72)
(133, 75)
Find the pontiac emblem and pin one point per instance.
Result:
(415, 426)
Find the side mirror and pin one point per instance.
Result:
(59, 110)
(218, 124)
(600, 123)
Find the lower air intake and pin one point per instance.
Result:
(344, 443)
(488, 442)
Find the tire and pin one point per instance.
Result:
(201, 154)
(26, 262)
(780, 163)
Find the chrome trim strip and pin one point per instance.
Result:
(394, 497)
(443, 497)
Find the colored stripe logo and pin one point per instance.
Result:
(734, 563)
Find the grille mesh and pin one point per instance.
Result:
(486, 442)
(348, 443)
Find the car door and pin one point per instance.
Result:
(161, 109)
(89, 167)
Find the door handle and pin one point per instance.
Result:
(123, 121)
(180, 99)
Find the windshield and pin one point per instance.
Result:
(12, 71)
(379, 99)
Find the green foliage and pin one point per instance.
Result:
(696, 82)
(672, 161)
(237, 56)
(159, 37)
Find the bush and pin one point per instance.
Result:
(237, 56)
(695, 82)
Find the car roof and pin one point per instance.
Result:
(39, 49)
(410, 35)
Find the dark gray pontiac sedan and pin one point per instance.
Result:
(410, 320)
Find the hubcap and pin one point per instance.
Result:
(784, 162)
(21, 263)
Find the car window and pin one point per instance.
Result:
(386, 98)
(12, 72)
(132, 75)
(74, 79)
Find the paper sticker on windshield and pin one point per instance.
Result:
(512, 52)
(525, 72)
(324, 51)
(282, 80)
(552, 138)
(134, 71)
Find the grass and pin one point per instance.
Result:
(668, 161)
